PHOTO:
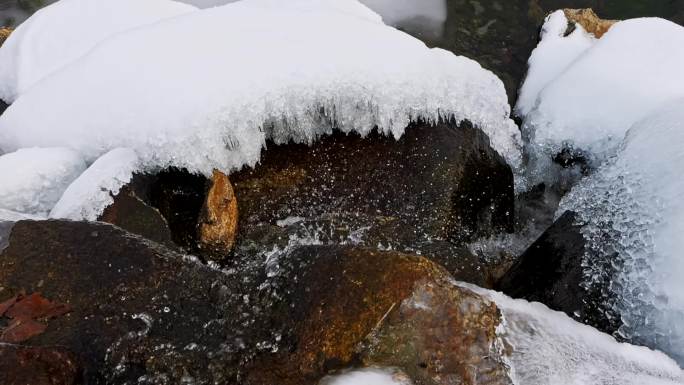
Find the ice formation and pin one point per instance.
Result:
(33, 179)
(62, 32)
(207, 89)
(634, 68)
(367, 377)
(93, 191)
(633, 215)
(548, 347)
(554, 54)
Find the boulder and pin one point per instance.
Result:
(139, 312)
(432, 191)
(21, 365)
(353, 306)
(219, 217)
(551, 271)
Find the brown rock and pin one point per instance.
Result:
(589, 21)
(431, 192)
(136, 305)
(219, 218)
(358, 306)
(22, 365)
(4, 34)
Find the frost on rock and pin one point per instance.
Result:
(207, 89)
(554, 54)
(634, 68)
(548, 347)
(94, 190)
(33, 179)
(633, 216)
(64, 31)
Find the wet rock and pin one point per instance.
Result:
(589, 21)
(218, 221)
(430, 192)
(352, 306)
(551, 272)
(132, 214)
(139, 312)
(21, 365)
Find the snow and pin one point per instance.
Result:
(94, 190)
(633, 206)
(554, 54)
(207, 89)
(548, 347)
(634, 68)
(371, 376)
(62, 32)
(33, 179)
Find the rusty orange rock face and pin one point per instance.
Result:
(387, 309)
(441, 334)
(589, 21)
(218, 221)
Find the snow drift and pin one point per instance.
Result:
(64, 31)
(554, 54)
(599, 89)
(33, 179)
(207, 89)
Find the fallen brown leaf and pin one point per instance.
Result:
(25, 312)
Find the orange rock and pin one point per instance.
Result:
(589, 21)
(4, 34)
(218, 220)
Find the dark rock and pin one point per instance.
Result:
(431, 191)
(352, 306)
(132, 214)
(551, 272)
(22, 365)
(139, 312)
